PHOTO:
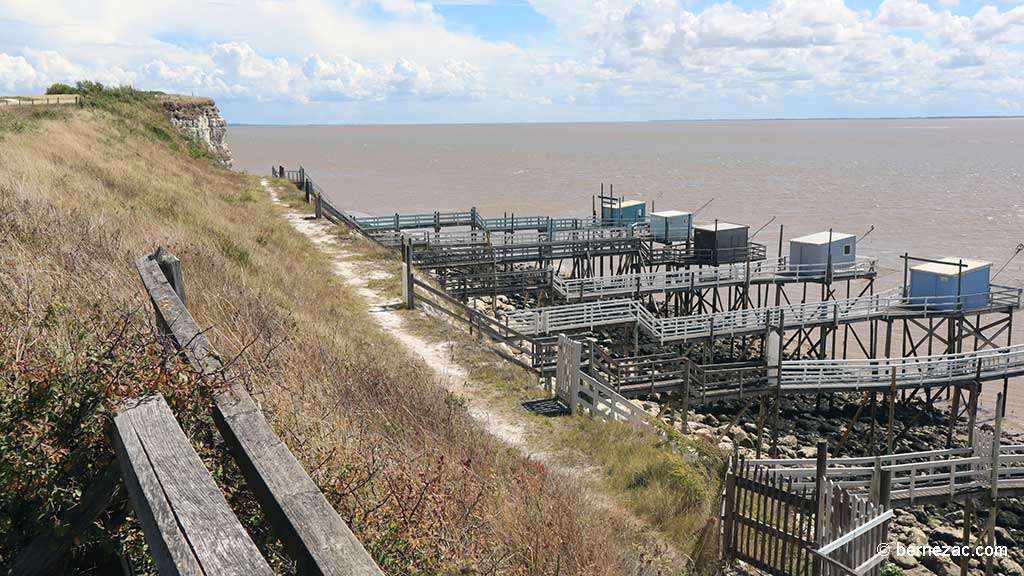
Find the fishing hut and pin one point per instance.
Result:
(671, 226)
(824, 251)
(950, 284)
(720, 243)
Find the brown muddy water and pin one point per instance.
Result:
(934, 188)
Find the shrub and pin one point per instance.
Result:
(59, 88)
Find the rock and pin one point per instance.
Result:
(1003, 536)
(199, 119)
(905, 561)
(915, 535)
(940, 565)
(807, 452)
(946, 535)
(1009, 567)
(1008, 518)
(742, 439)
(788, 440)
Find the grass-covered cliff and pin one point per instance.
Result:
(86, 189)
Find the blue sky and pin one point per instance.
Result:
(393, 61)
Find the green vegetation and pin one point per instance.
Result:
(892, 570)
(59, 88)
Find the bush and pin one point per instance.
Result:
(59, 88)
(892, 570)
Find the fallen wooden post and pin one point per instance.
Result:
(188, 525)
(308, 525)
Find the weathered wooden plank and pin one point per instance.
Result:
(187, 522)
(46, 551)
(310, 528)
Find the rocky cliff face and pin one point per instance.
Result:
(199, 119)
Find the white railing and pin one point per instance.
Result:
(751, 320)
(881, 373)
(914, 474)
(728, 274)
(583, 393)
(572, 316)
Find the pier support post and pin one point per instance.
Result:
(994, 487)
(319, 207)
(408, 293)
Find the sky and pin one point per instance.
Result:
(408, 61)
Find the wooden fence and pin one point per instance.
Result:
(47, 100)
(188, 525)
(313, 533)
(785, 530)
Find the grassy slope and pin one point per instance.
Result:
(85, 191)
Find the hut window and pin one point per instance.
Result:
(847, 248)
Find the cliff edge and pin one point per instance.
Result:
(200, 120)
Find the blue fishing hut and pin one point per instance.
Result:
(938, 283)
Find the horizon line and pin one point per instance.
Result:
(667, 121)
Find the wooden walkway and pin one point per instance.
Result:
(774, 271)
(484, 255)
(753, 321)
(916, 478)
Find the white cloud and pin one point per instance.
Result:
(906, 14)
(616, 53)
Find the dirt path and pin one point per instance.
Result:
(438, 356)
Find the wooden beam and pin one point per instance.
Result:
(308, 525)
(188, 525)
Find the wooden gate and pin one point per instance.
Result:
(567, 369)
(783, 530)
(767, 523)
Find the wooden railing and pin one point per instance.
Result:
(188, 525)
(313, 533)
(47, 100)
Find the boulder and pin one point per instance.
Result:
(807, 452)
(1008, 567)
(916, 536)
(946, 535)
(905, 561)
(940, 565)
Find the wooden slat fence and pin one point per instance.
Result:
(766, 523)
(783, 529)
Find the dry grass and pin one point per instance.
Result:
(423, 486)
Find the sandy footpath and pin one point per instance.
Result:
(439, 356)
